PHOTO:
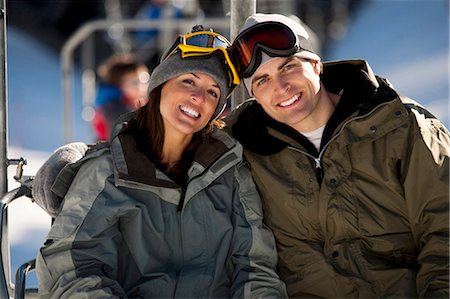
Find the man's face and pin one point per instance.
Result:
(288, 90)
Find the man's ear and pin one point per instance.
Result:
(317, 66)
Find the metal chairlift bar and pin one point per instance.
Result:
(21, 278)
(6, 287)
(5, 280)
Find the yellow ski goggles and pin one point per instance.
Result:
(204, 43)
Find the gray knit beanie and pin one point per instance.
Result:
(174, 66)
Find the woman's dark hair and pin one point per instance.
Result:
(150, 126)
(150, 139)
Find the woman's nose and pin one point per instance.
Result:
(198, 94)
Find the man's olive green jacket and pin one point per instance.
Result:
(367, 215)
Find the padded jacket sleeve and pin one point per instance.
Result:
(79, 259)
(253, 250)
(426, 185)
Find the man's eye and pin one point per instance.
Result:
(261, 81)
(289, 66)
(188, 81)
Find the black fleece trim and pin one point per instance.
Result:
(360, 94)
(209, 153)
(250, 131)
(140, 168)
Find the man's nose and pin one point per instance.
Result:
(281, 85)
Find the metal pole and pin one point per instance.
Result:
(240, 10)
(4, 259)
(3, 103)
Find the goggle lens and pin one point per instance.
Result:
(206, 41)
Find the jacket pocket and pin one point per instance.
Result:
(396, 258)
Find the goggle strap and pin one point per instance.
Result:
(304, 44)
(172, 49)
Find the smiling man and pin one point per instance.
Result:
(353, 176)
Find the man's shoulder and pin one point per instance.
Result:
(412, 105)
(243, 108)
(248, 124)
(425, 120)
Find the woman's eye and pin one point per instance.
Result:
(188, 81)
(214, 94)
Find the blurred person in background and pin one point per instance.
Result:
(167, 208)
(354, 178)
(122, 88)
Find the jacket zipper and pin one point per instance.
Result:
(318, 160)
(183, 189)
(180, 254)
(182, 197)
(180, 215)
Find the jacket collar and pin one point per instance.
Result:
(217, 153)
(341, 74)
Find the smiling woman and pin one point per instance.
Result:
(185, 94)
(167, 202)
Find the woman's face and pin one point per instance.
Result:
(188, 103)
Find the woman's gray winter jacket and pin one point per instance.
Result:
(119, 233)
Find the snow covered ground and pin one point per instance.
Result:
(404, 40)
